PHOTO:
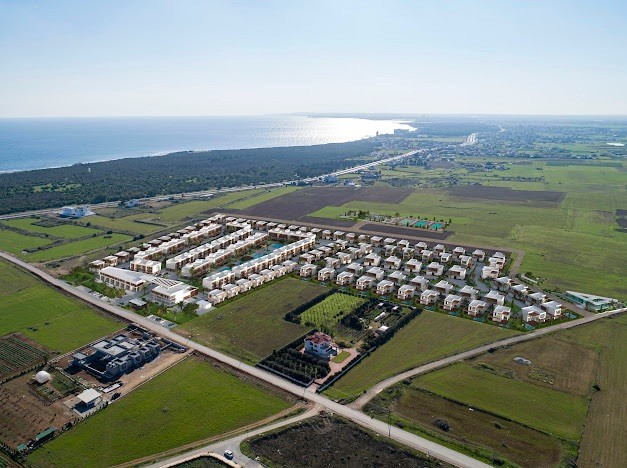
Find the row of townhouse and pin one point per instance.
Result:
(190, 236)
(202, 265)
(110, 261)
(202, 251)
(288, 234)
(279, 255)
(144, 265)
(225, 286)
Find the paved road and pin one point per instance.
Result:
(423, 445)
(228, 189)
(374, 391)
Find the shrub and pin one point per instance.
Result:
(442, 424)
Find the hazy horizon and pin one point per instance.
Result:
(219, 58)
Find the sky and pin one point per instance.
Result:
(152, 57)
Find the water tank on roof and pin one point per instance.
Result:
(42, 377)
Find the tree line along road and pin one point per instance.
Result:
(423, 445)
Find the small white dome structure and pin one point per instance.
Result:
(42, 377)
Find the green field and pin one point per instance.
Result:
(250, 327)
(14, 243)
(192, 401)
(77, 248)
(13, 279)
(555, 394)
(263, 196)
(330, 310)
(196, 208)
(428, 337)
(557, 413)
(124, 224)
(64, 231)
(574, 244)
(47, 316)
(603, 441)
(477, 433)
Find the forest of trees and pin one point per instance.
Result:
(125, 179)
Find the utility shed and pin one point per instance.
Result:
(89, 397)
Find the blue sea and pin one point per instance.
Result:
(36, 143)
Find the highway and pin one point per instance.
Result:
(423, 445)
(227, 189)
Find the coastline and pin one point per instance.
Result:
(35, 139)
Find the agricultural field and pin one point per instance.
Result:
(551, 411)
(330, 311)
(127, 224)
(48, 317)
(298, 204)
(15, 243)
(77, 248)
(575, 380)
(479, 434)
(17, 355)
(250, 327)
(603, 439)
(185, 404)
(261, 197)
(428, 337)
(13, 279)
(63, 231)
(24, 413)
(325, 441)
(556, 363)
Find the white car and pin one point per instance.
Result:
(228, 455)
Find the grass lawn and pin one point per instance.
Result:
(250, 327)
(603, 441)
(14, 243)
(77, 248)
(192, 401)
(331, 310)
(341, 357)
(557, 413)
(428, 337)
(66, 231)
